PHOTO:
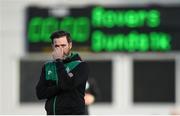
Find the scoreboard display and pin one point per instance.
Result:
(148, 28)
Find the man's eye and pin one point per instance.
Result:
(56, 46)
(63, 45)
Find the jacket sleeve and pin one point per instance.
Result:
(93, 89)
(78, 76)
(43, 91)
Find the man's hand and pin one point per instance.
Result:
(89, 99)
(57, 53)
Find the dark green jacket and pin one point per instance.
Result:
(62, 83)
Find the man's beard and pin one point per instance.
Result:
(66, 55)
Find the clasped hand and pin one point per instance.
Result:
(57, 53)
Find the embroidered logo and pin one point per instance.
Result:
(70, 75)
(49, 72)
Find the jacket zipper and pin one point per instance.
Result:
(54, 105)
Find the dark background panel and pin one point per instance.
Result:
(154, 81)
(29, 76)
(100, 71)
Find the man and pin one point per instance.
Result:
(63, 80)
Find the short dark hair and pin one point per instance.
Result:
(60, 33)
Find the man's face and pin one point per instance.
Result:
(63, 43)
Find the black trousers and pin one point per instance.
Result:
(68, 111)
